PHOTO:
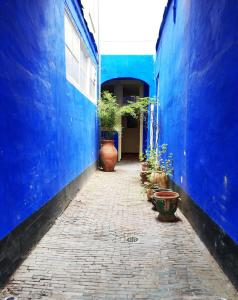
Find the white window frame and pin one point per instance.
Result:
(71, 46)
(93, 80)
(75, 48)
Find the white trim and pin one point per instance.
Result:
(151, 125)
(119, 144)
(141, 135)
(76, 52)
(141, 125)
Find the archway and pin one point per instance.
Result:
(130, 137)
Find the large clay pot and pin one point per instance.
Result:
(159, 178)
(166, 203)
(108, 155)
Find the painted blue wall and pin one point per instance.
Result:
(48, 128)
(129, 66)
(197, 64)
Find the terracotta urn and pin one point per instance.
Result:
(108, 155)
(166, 203)
(159, 178)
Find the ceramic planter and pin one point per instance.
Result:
(149, 193)
(150, 190)
(108, 155)
(159, 178)
(144, 166)
(143, 176)
(157, 190)
(166, 203)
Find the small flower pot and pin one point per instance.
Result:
(166, 203)
(153, 201)
(143, 176)
(159, 178)
(144, 166)
(149, 193)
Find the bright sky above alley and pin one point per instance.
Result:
(126, 26)
(130, 26)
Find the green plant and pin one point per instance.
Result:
(142, 157)
(150, 185)
(152, 159)
(108, 111)
(137, 108)
(160, 160)
(165, 160)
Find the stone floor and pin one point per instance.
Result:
(86, 255)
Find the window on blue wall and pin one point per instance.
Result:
(84, 59)
(72, 51)
(92, 83)
(80, 69)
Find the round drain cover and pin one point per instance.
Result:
(132, 239)
(10, 298)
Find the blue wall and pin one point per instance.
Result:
(48, 128)
(197, 64)
(129, 66)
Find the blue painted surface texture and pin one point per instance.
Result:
(197, 63)
(139, 67)
(48, 128)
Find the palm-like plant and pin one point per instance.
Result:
(110, 112)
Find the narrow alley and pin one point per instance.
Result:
(108, 244)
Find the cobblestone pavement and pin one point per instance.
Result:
(86, 255)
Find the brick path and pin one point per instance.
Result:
(86, 255)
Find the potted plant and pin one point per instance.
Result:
(149, 165)
(163, 168)
(166, 203)
(150, 190)
(136, 109)
(144, 163)
(108, 112)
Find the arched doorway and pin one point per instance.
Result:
(130, 136)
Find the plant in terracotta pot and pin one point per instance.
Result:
(144, 163)
(144, 176)
(149, 165)
(150, 189)
(164, 168)
(153, 200)
(108, 112)
(136, 109)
